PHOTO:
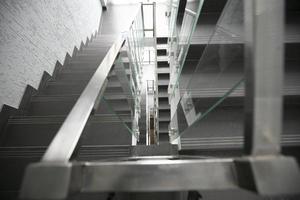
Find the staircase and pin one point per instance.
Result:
(163, 76)
(104, 165)
(28, 133)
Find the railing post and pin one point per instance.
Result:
(264, 55)
(264, 170)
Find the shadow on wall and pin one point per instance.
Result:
(36, 35)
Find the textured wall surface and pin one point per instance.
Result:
(34, 34)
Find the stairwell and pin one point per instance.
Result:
(27, 132)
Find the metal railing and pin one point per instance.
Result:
(179, 43)
(135, 46)
(151, 113)
(66, 139)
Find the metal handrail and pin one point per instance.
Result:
(66, 139)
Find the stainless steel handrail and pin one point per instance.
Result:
(66, 139)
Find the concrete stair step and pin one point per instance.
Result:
(163, 89)
(163, 82)
(162, 58)
(163, 95)
(87, 61)
(85, 152)
(163, 132)
(81, 76)
(65, 76)
(81, 73)
(227, 142)
(65, 88)
(161, 52)
(164, 119)
(105, 39)
(81, 66)
(62, 104)
(164, 113)
(163, 101)
(164, 138)
(162, 40)
(162, 64)
(98, 45)
(163, 70)
(165, 76)
(77, 70)
(162, 46)
(164, 127)
(40, 130)
(14, 161)
(90, 56)
(89, 51)
(164, 107)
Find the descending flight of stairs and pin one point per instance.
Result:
(27, 133)
(163, 76)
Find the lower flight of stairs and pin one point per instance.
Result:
(26, 134)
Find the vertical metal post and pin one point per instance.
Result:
(156, 74)
(142, 10)
(264, 51)
(154, 20)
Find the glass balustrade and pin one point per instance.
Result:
(180, 39)
(114, 121)
(212, 78)
(173, 7)
(135, 53)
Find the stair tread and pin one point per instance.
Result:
(163, 82)
(164, 119)
(162, 58)
(164, 107)
(163, 95)
(40, 119)
(163, 70)
(71, 97)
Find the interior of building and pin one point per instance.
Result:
(144, 99)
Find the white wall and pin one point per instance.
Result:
(34, 34)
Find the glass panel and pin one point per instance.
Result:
(174, 4)
(217, 80)
(152, 113)
(180, 43)
(134, 58)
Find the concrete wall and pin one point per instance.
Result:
(34, 34)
